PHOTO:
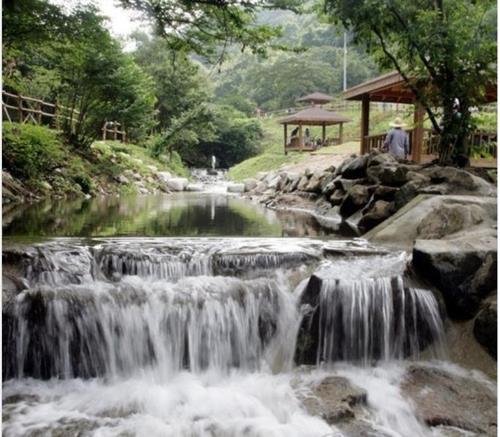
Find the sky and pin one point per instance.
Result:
(121, 22)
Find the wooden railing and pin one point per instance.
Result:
(112, 127)
(430, 144)
(23, 109)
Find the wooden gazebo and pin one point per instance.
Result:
(316, 98)
(313, 116)
(392, 88)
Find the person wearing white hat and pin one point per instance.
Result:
(397, 142)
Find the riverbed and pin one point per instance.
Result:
(180, 315)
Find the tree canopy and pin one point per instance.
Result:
(445, 50)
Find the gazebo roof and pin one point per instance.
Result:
(392, 88)
(316, 97)
(315, 117)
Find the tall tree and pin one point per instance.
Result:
(444, 49)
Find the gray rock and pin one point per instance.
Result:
(292, 183)
(357, 197)
(177, 184)
(407, 192)
(346, 184)
(236, 188)
(356, 168)
(250, 184)
(485, 327)
(46, 186)
(122, 180)
(384, 193)
(448, 399)
(194, 187)
(304, 181)
(334, 399)
(327, 184)
(463, 269)
(391, 175)
(450, 180)
(381, 159)
(377, 213)
(314, 184)
(163, 176)
(272, 183)
(337, 197)
(260, 188)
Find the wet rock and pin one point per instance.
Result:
(250, 184)
(356, 168)
(356, 198)
(485, 327)
(122, 180)
(391, 175)
(446, 399)
(343, 165)
(335, 399)
(177, 184)
(463, 269)
(327, 185)
(236, 188)
(377, 213)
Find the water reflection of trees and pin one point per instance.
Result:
(154, 216)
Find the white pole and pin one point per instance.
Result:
(345, 61)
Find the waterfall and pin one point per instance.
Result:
(376, 319)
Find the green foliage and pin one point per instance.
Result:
(235, 138)
(447, 48)
(29, 151)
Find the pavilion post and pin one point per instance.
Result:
(323, 136)
(301, 138)
(365, 122)
(285, 136)
(341, 133)
(418, 133)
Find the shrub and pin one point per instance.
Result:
(30, 151)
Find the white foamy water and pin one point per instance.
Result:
(188, 338)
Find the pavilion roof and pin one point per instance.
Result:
(315, 117)
(316, 97)
(392, 88)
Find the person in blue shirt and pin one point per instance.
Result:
(397, 142)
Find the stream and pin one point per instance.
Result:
(184, 315)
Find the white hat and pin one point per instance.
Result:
(398, 122)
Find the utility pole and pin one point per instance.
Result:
(345, 61)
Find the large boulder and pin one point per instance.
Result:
(335, 399)
(451, 180)
(314, 183)
(250, 184)
(177, 184)
(356, 168)
(377, 158)
(464, 269)
(407, 192)
(304, 181)
(485, 327)
(404, 227)
(357, 197)
(377, 213)
(194, 187)
(451, 400)
(391, 175)
(383, 192)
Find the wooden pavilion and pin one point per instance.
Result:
(392, 88)
(316, 98)
(313, 116)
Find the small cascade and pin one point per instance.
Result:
(376, 319)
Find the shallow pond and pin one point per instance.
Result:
(183, 214)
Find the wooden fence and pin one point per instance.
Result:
(113, 128)
(23, 109)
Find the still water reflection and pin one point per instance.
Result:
(186, 214)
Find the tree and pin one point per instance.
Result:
(444, 49)
(209, 27)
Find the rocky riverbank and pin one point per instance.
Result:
(446, 217)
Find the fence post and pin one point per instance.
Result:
(104, 130)
(40, 113)
(20, 108)
(115, 131)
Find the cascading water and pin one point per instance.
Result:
(179, 337)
